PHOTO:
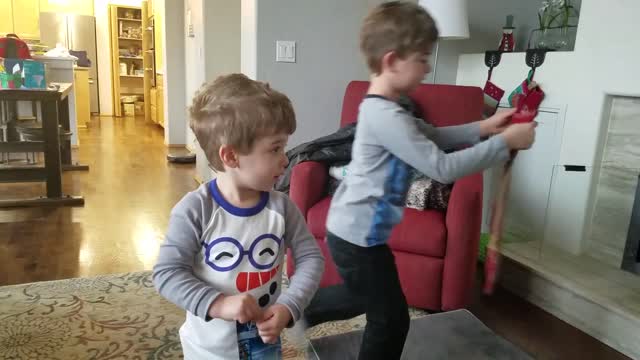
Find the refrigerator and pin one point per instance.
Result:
(75, 32)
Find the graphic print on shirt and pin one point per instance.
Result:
(255, 264)
(388, 209)
(242, 249)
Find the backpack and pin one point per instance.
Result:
(13, 48)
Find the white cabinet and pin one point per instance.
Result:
(531, 182)
(568, 214)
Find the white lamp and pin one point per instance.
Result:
(451, 19)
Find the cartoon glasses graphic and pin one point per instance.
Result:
(226, 253)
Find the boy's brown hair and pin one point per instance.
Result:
(236, 111)
(399, 26)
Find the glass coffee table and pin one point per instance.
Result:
(297, 348)
(454, 335)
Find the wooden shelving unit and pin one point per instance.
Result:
(148, 59)
(154, 88)
(128, 39)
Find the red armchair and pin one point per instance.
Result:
(435, 252)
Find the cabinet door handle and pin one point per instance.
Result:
(575, 168)
(91, 81)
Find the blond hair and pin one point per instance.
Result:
(236, 111)
(399, 26)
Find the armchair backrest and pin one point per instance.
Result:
(441, 105)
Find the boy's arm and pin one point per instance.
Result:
(307, 258)
(173, 273)
(406, 141)
(451, 137)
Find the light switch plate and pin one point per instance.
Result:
(286, 51)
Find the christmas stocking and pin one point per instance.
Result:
(526, 98)
(522, 89)
(527, 105)
(492, 96)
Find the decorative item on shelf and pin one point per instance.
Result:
(508, 44)
(128, 14)
(566, 12)
(123, 68)
(135, 33)
(554, 24)
(134, 50)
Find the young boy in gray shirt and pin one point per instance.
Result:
(222, 259)
(396, 39)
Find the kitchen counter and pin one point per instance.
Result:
(60, 58)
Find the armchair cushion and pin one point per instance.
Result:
(420, 232)
(308, 180)
(317, 218)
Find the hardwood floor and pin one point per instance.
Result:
(129, 192)
(534, 330)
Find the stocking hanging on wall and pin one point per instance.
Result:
(492, 93)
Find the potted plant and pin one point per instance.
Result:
(555, 14)
(565, 11)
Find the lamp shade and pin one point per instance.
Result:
(450, 17)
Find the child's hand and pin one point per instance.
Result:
(242, 308)
(520, 136)
(276, 318)
(496, 123)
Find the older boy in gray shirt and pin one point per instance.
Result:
(396, 39)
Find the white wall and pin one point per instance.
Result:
(604, 62)
(222, 38)
(328, 57)
(213, 51)
(249, 38)
(194, 57)
(174, 71)
(101, 12)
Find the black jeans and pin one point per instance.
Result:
(372, 286)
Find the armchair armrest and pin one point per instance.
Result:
(463, 221)
(308, 181)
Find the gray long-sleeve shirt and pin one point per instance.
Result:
(369, 201)
(213, 248)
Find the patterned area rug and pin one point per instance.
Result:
(106, 317)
